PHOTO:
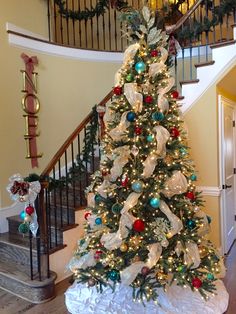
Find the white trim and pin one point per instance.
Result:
(17, 29)
(5, 212)
(210, 190)
(73, 53)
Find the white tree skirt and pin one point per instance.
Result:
(177, 300)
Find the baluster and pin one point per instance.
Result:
(183, 65)
(55, 190)
(31, 256)
(73, 23)
(109, 27)
(92, 37)
(60, 190)
(67, 25)
(80, 176)
(49, 20)
(61, 29)
(86, 161)
(79, 23)
(73, 167)
(48, 215)
(55, 22)
(67, 190)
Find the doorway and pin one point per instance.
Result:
(227, 149)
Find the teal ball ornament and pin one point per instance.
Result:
(22, 215)
(98, 198)
(129, 77)
(193, 177)
(116, 208)
(157, 116)
(210, 276)
(191, 224)
(130, 116)
(183, 151)
(98, 221)
(150, 138)
(140, 67)
(114, 275)
(154, 202)
(137, 186)
(23, 228)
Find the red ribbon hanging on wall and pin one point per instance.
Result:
(30, 63)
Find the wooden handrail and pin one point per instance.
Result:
(181, 21)
(70, 139)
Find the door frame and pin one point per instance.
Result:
(222, 99)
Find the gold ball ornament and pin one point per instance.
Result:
(27, 218)
(124, 247)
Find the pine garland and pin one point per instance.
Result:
(86, 14)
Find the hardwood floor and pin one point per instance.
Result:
(10, 304)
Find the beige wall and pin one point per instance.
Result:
(68, 88)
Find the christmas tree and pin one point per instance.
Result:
(145, 226)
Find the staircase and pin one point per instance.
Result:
(25, 261)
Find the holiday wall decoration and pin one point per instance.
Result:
(145, 229)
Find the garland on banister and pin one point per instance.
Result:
(86, 14)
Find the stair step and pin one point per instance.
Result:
(189, 82)
(203, 64)
(15, 248)
(223, 43)
(15, 279)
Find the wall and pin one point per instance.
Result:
(67, 89)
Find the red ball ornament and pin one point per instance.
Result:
(124, 182)
(197, 283)
(97, 254)
(148, 99)
(175, 94)
(145, 270)
(104, 172)
(154, 53)
(29, 210)
(190, 195)
(117, 90)
(139, 225)
(86, 215)
(138, 130)
(174, 132)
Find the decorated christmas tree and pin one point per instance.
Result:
(145, 227)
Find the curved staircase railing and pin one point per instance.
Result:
(64, 180)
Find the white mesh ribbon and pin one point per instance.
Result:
(191, 255)
(123, 153)
(133, 96)
(118, 132)
(131, 201)
(176, 184)
(204, 227)
(163, 103)
(176, 223)
(129, 274)
(90, 200)
(108, 116)
(164, 54)
(149, 165)
(156, 68)
(83, 262)
(162, 136)
(170, 82)
(102, 189)
(130, 52)
(154, 254)
(112, 241)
